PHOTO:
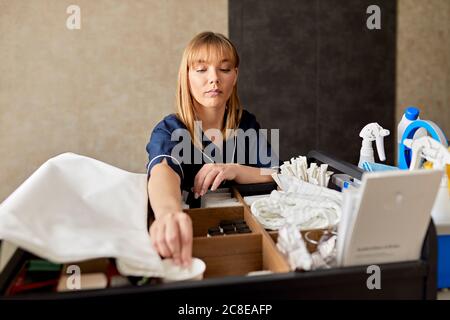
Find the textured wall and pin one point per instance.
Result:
(423, 55)
(97, 91)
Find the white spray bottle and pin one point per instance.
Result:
(432, 150)
(372, 132)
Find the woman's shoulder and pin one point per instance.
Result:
(170, 123)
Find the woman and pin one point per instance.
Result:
(208, 112)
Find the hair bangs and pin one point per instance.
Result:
(212, 50)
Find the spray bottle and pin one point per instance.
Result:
(411, 114)
(372, 132)
(431, 150)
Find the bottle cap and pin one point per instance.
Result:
(412, 113)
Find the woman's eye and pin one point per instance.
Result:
(201, 70)
(225, 70)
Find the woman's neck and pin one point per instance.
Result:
(211, 118)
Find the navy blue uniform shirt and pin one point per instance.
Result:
(166, 143)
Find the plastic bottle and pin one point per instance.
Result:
(411, 114)
(372, 132)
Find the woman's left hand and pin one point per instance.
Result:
(213, 174)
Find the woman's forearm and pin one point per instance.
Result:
(164, 190)
(171, 232)
(247, 174)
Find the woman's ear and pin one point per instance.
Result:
(237, 74)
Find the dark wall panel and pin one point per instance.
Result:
(312, 69)
(278, 69)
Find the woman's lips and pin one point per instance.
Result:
(213, 93)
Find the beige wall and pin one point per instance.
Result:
(423, 59)
(97, 91)
(100, 90)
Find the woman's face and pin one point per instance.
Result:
(211, 83)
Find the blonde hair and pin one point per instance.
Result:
(217, 47)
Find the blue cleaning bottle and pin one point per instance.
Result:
(410, 115)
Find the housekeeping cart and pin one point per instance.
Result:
(230, 258)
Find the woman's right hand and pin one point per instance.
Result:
(171, 235)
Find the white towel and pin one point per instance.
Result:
(75, 208)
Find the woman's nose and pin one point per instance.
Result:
(213, 76)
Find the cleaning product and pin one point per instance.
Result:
(432, 129)
(372, 132)
(431, 150)
(411, 114)
(438, 154)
